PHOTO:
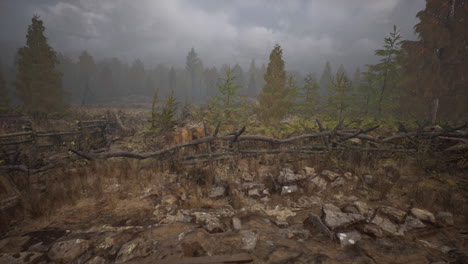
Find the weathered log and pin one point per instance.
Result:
(236, 258)
(19, 134)
(358, 133)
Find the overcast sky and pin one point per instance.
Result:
(221, 31)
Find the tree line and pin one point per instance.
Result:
(421, 78)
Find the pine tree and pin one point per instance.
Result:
(228, 88)
(252, 86)
(309, 93)
(338, 99)
(325, 80)
(192, 65)
(274, 100)
(38, 84)
(4, 94)
(388, 70)
(86, 68)
(438, 60)
(167, 116)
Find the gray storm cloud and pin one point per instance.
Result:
(310, 32)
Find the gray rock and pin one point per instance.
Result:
(334, 218)
(394, 214)
(411, 222)
(135, 249)
(295, 232)
(309, 172)
(249, 239)
(348, 238)
(216, 192)
(423, 215)
(340, 181)
(252, 185)
(236, 223)
(444, 218)
(330, 175)
(253, 192)
(314, 221)
(319, 182)
(287, 176)
(69, 250)
(371, 229)
(387, 226)
(289, 189)
(281, 224)
(211, 223)
(169, 199)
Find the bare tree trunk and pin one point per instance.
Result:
(434, 110)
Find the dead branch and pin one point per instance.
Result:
(358, 133)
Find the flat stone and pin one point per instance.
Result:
(371, 229)
(348, 238)
(249, 239)
(309, 172)
(334, 218)
(236, 223)
(368, 178)
(387, 226)
(411, 222)
(252, 185)
(281, 224)
(340, 181)
(314, 221)
(169, 199)
(97, 260)
(135, 249)
(287, 176)
(330, 175)
(394, 214)
(444, 218)
(211, 223)
(217, 192)
(348, 176)
(319, 182)
(423, 215)
(253, 192)
(289, 189)
(69, 250)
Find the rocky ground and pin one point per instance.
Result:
(284, 216)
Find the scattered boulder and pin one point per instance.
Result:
(334, 218)
(289, 189)
(423, 215)
(287, 176)
(348, 238)
(135, 249)
(444, 218)
(69, 250)
(249, 239)
(211, 223)
(393, 214)
(217, 192)
(236, 223)
(253, 192)
(309, 172)
(295, 232)
(169, 199)
(330, 175)
(340, 181)
(371, 229)
(412, 222)
(387, 226)
(97, 260)
(314, 221)
(281, 224)
(252, 185)
(319, 182)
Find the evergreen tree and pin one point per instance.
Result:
(4, 94)
(338, 99)
(192, 65)
(239, 77)
(86, 68)
(137, 77)
(252, 86)
(228, 88)
(38, 84)
(325, 80)
(438, 61)
(167, 116)
(309, 93)
(274, 100)
(388, 70)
